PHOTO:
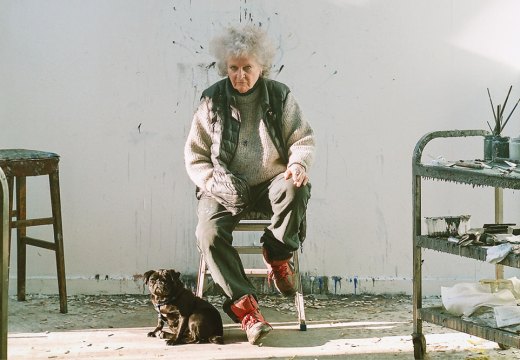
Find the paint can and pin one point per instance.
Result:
(488, 147)
(496, 146)
(514, 149)
(448, 225)
(500, 147)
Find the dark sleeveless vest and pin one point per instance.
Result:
(227, 128)
(231, 191)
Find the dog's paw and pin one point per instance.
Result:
(216, 339)
(167, 335)
(152, 334)
(173, 342)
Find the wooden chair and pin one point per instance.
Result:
(17, 165)
(254, 221)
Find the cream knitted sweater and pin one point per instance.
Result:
(256, 159)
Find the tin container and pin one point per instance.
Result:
(514, 149)
(448, 225)
(488, 147)
(496, 146)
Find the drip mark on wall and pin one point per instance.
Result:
(321, 284)
(185, 47)
(337, 280)
(355, 282)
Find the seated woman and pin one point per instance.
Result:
(249, 147)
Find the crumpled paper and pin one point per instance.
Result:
(516, 285)
(510, 238)
(507, 315)
(465, 298)
(496, 254)
(439, 161)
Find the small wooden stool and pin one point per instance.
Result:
(17, 165)
(255, 221)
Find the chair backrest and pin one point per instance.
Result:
(258, 220)
(257, 215)
(254, 221)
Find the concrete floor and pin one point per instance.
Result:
(353, 327)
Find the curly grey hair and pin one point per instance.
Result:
(243, 41)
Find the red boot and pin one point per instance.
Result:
(281, 271)
(253, 323)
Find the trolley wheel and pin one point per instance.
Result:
(419, 346)
(503, 347)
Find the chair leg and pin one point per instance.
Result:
(298, 297)
(54, 184)
(201, 277)
(21, 232)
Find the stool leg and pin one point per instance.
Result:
(298, 297)
(54, 184)
(10, 185)
(21, 232)
(201, 277)
(4, 258)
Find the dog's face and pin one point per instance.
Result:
(162, 283)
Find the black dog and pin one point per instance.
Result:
(190, 318)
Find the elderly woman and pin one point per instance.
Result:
(249, 148)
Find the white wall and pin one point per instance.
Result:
(111, 87)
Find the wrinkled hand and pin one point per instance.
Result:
(298, 174)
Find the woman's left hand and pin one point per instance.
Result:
(297, 173)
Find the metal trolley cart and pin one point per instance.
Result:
(492, 177)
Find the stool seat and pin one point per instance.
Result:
(18, 164)
(23, 162)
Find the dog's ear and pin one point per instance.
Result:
(147, 275)
(172, 275)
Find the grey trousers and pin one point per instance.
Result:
(288, 205)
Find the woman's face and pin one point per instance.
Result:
(243, 72)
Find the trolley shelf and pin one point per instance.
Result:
(471, 251)
(439, 316)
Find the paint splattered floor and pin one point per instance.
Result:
(360, 327)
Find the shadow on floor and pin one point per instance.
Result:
(106, 327)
